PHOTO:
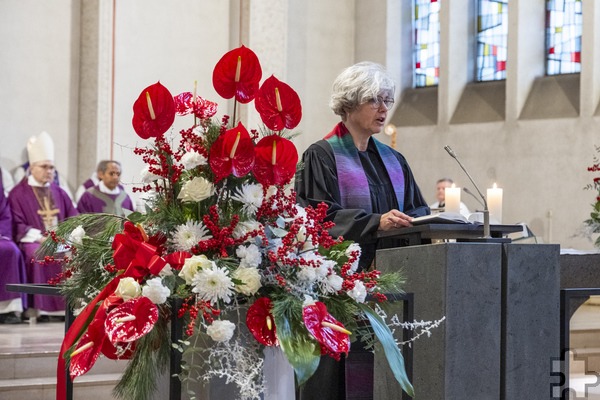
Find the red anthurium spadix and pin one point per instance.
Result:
(186, 103)
(232, 153)
(278, 105)
(238, 74)
(329, 332)
(275, 160)
(153, 111)
(261, 323)
(131, 320)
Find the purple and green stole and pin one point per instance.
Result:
(352, 181)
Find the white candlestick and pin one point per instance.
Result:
(452, 199)
(494, 201)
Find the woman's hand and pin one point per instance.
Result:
(394, 219)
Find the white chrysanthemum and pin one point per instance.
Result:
(359, 292)
(156, 291)
(196, 190)
(188, 235)
(192, 159)
(128, 288)
(325, 267)
(307, 274)
(77, 235)
(251, 195)
(322, 265)
(250, 278)
(213, 284)
(333, 283)
(221, 330)
(147, 176)
(249, 255)
(192, 265)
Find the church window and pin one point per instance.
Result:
(492, 35)
(426, 26)
(563, 36)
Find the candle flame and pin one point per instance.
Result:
(335, 327)
(238, 69)
(269, 323)
(453, 186)
(235, 145)
(494, 186)
(278, 99)
(150, 108)
(274, 153)
(125, 319)
(82, 348)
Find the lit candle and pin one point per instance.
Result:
(494, 202)
(452, 199)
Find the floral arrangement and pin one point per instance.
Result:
(223, 246)
(593, 223)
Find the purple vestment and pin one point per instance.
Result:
(25, 206)
(95, 201)
(12, 266)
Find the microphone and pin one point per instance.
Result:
(486, 212)
(467, 191)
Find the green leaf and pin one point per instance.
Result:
(136, 217)
(302, 352)
(392, 352)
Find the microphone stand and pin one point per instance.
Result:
(467, 191)
(486, 212)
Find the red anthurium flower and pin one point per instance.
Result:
(186, 104)
(276, 160)
(329, 332)
(261, 323)
(232, 153)
(237, 74)
(153, 111)
(89, 346)
(131, 320)
(278, 105)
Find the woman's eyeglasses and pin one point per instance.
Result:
(378, 101)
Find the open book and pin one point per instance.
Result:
(441, 218)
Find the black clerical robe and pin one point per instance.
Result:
(316, 182)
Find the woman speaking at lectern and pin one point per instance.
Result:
(367, 185)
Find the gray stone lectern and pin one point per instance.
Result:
(501, 303)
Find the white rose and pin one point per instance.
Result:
(359, 292)
(128, 289)
(196, 190)
(155, 291)
(192, 265)
(250, 278)
(192, 159)
(221, 331)
(77, 235)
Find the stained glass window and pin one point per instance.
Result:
(427, 42)
(563, 36)
(492, 35)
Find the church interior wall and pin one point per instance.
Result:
(540, 163)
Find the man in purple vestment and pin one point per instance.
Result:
(38, 204)
(107, 196)
(12, 266)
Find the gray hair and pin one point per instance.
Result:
(358, 84)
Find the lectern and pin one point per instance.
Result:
(502, 307)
